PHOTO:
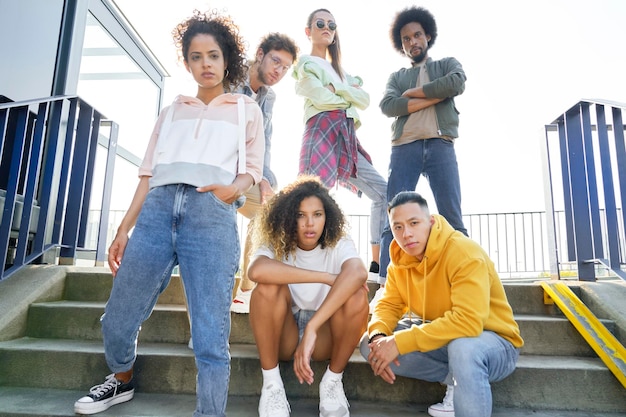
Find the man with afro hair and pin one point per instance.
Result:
(421, 101)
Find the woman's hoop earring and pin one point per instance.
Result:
(226, 73)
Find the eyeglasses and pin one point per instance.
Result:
(321, 24)
(276, 61)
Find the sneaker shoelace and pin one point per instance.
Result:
(333, 391)
(277, 401)
(109, 383)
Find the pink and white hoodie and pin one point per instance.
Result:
(197, 144)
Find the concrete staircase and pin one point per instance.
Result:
(51, 353)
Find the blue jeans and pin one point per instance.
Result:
(468, 363)
(179, 226)
(302, 317)
(374, 186)
(436, 160)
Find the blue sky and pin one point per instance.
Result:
(526, 63)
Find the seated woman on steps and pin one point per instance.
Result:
(310, 301)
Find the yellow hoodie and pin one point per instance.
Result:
(455, 289)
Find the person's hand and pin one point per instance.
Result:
(227, 193)
(266, 191)
(410, 93)
(302, 357)
(116, 251)
(383, 351)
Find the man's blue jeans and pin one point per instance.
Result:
(436, 160)
(178, 225)
(468, 363)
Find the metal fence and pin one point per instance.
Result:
(47, 158)
(585, 172)
(516, 242)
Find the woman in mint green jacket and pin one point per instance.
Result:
(330, 148)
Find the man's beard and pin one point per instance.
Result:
(261, 76)
(419, 58)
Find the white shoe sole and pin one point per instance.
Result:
(440, 413)
(99, 406)
(240, 308)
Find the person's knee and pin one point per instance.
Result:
(269, 293)
(466, 353)
(356, 306)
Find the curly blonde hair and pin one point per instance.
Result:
(226, 34)
(277, 226)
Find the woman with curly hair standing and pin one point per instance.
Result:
(205, 152)
(310, 301)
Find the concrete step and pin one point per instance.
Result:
(543, 335)
(542, 382)
(168, 323)
(63, 353)
(554, 335)
(35, 402)
(527, 298)
(83, 285)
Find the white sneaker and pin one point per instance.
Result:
(273, 402)
(241, 303)
(444, 408)
(333, 401)
(377, 296)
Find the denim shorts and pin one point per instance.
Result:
(302, 319)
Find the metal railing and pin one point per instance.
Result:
(47, 158)
(46, 169)
(516, 242)
(585, 161)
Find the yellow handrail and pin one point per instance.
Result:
(610, 350)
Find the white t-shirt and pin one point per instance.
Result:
(309, 296)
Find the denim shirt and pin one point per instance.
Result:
(265, 98)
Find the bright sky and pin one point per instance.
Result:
(526, 63)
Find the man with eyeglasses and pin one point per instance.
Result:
(274, 56)
(426, 122)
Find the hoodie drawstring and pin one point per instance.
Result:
(423, 318)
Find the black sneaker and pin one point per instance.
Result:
(374, 267)
(105, 395)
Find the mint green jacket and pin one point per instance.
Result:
(311, 82)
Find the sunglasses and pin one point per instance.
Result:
(321, 24)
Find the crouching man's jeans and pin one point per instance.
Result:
(469, 363)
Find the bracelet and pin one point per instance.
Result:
(371, 339)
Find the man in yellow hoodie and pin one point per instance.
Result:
(444, 316)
